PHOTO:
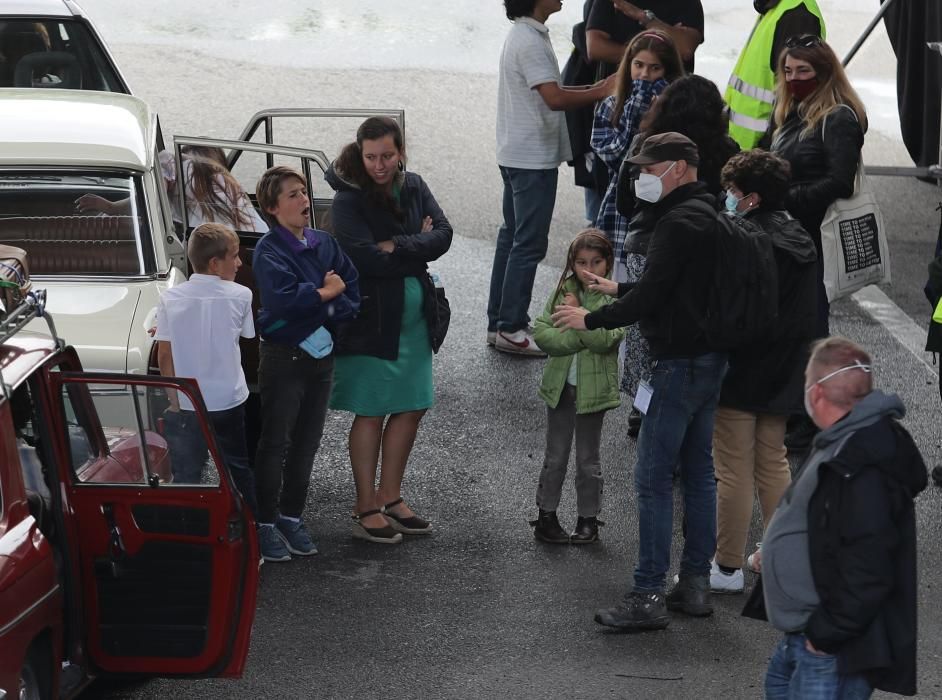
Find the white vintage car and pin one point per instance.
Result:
(103, 273)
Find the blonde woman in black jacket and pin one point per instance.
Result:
(819, 124)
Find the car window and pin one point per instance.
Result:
(139, 442)
(54, 53)
(71, 222)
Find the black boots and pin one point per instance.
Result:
(546, 528)
(691, 596)
(586, 532)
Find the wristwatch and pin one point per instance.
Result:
(648, 18)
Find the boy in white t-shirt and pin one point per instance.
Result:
(199, 323)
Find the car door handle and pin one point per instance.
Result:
(116, 551)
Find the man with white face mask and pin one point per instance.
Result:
(669, 303)
(839, 556)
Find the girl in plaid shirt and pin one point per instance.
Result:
(651, 61)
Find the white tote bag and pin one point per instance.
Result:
(854, 248)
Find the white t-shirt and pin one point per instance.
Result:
(203, 319)
(530, 135)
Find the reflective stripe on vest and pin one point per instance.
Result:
(747, 122)
(750, 92)
(754, 91)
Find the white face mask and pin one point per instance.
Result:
(649, 187)
(808, 408)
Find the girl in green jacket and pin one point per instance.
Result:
(580, 383)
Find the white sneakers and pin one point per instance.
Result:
(725, 583)
(518, 343)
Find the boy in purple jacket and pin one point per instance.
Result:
(306, 284)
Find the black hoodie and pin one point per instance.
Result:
(669, 299)
(768, 377)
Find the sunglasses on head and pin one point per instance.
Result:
(805, 41)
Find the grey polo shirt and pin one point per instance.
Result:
(530, 135)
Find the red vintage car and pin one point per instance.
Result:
(108, 567)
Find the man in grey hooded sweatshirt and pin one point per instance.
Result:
(839, 556)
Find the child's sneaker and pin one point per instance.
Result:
(296, 537)
(270, 544)
(518, 343)
(721, 582)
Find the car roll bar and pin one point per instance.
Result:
(267, 117)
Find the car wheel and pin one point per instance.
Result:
(34, 685)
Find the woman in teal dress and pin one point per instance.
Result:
(389, 224)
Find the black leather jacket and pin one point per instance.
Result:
(823, 168)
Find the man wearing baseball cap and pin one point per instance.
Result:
(668, 302)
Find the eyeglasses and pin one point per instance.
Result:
(805, 41)
(857, 365)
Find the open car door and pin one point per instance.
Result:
(168, 570)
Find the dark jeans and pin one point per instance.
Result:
(797, 674)
(529, 198)
(677, 431)
(295, 390)
(188, 450)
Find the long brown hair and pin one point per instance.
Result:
(658, 43)
(207, 168)
(349, 163)
(833, 87)
(587, 239)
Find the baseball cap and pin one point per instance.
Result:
(667, 146)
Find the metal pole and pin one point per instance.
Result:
(866, 34)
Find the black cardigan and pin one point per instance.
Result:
(359, 225)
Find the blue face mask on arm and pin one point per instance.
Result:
(318, 344)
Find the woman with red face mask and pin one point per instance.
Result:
(818, 126)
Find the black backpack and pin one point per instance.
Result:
(742, 303)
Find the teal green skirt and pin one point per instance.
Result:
(370, 386)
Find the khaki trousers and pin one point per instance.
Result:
(749, 456)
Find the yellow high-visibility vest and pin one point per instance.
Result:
(750, 93)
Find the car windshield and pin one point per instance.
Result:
(76, 223)
(56, 53)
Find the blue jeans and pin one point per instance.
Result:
(529, 198)
(677, 430)
(188, 450)
(797, 674)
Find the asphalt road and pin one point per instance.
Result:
(480, 610)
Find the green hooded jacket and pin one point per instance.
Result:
(597, 372)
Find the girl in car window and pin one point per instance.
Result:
(390, 225)
(212, 194)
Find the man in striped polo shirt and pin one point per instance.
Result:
(531, 143)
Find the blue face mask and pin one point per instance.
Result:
(318, 344)
(732, 203)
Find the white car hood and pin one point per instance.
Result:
(95, 318)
